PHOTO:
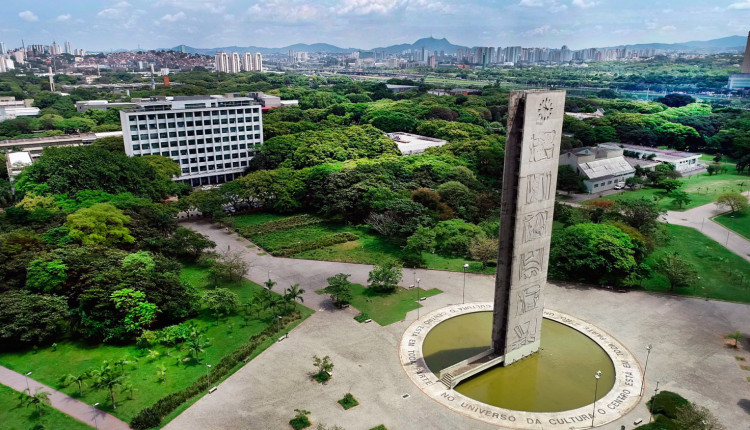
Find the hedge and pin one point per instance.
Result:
(151, 416)
(278, 225)
(333, 239)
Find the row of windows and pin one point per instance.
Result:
(198, 150)
(197, 114)
(154, 136)
(219, 166)
(183, 124)
(213, 158)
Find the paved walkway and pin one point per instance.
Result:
(700, 219)
(689, 355)
(63, 402)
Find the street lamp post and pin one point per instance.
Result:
(463, 295)
(26, 376)
(208, 378)
(653, 400)
(278, 323)
(96, 424)
(645, 368)
(596, 389)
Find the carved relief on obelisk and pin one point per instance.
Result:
(532, 151)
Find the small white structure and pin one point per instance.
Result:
(602, 168)
(410, 144)
(682, 161)
(16, 162)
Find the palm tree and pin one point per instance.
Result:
(736, 336)
(107, 377)
(257, 306)
(269, 283)
(161, 372)
(39, 399)
(78, 379)
(196, 344)
(294, 293)
(129, 387)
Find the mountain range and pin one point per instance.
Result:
(724, 44)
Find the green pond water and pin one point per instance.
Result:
(559, 377)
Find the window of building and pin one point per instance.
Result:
(136, 147)
(163, 135)
(134, 137)
(173, 133)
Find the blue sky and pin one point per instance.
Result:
(113, 24)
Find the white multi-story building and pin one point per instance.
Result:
(258, 63)
(212, 138)
(234, 63)
(68, 50)
(247, 62)
(222, 62)
(2, 47)
(55, 49)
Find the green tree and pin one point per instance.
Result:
(339, 289)
(681, 198)
(384, 278)
(324, 365)
(735, 202)
(568, 180)
(634, 182)
(694, 417)
(45, 276)
(596, 253)
(39, 399)
(79, 379)
(139, 313)
(294, 293)
(457, 195)
(107, 377)
(112, 143)
(736, 336)
(100, 224)
(196, 344)
(31, 319)
(484, 250)
(670, 185)
(221, 301)
(642, 214)
(678, 271)
(454, 236)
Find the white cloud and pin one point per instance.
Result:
(64, 17)
(108, 13)
(283, 11)
(211, 6)
(364, 7)
(585, 4)
(173, 18)
(28, 16)
(744, 4)
(532, 3)
(669, 28)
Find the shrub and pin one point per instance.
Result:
(666, 403)
(348, 401)
(300, 420)
(151, 416)
(282, 224)
(333, 239)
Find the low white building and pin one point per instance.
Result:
(602, 169)
(682, 161)
(15, 162)
(410, 144)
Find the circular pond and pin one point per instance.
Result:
(560, 377)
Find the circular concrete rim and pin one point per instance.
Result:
(623, 397)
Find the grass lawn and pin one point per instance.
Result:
(15, 417)
(370, 248)
(717, 267)
(702, 188)
(386, 308)
(738, 223)
(76, 357)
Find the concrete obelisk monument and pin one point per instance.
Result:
(532, 150)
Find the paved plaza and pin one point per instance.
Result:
(689, 354)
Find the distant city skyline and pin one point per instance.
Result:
(118, 24)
